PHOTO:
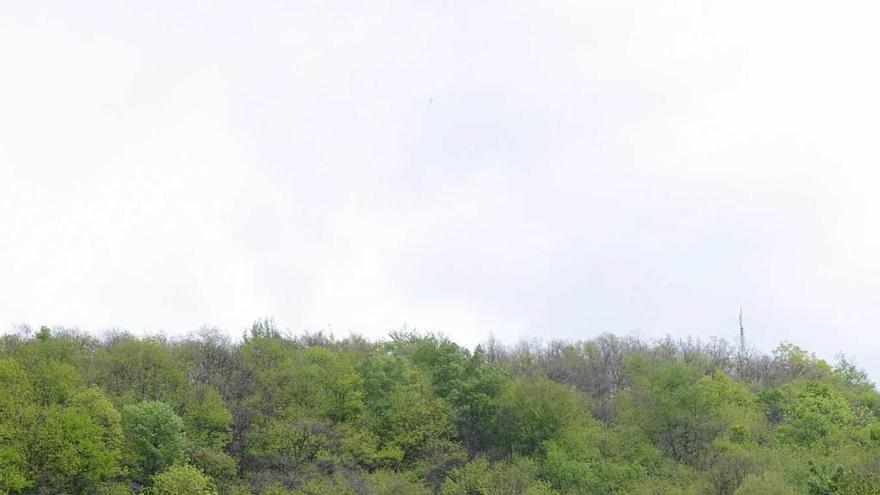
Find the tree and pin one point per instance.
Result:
(77, 445)
(851, 374)
(402, 409)
(791, 362)
(311, 415)
(391, 483)
(181, 479)
(676, 406)
(288, 443)
(467, 381)
(154, 437)
(824, 480)
(535, 410)
(55, 381)
(208, 421)
(132, 370)
(590, 459)
(516, 476)
(813, 412)
(859, 484)
(17, 410)
(768, 483)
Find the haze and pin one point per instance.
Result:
(548, 170)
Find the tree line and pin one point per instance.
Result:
(417, 414)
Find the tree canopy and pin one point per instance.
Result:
(418, 414)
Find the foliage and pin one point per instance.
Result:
(676, 406)
(154, 437)
(77, 444)
(179, 480)
(417, 414)
(535, 410)
(768, 483)
(589, 459)
(516, 476)
(208, 421)
(16, 419)
(824, 480)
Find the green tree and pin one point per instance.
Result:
(55, 381)
(154, 437)
(515, 476)
(814, 411)
(17, 411)
(131, 370)
(408, 419)
(591, 459)
(535, 410)
(676, 405)
(181, 479)
(859, 484)
(325, 485)
(467, 381)
(824, 480)
(391, 483)
(77, 444)
(208, 421)
(419, 414)
(768, 483)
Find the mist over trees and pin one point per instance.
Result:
(283, 414)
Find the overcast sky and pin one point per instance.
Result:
(544, 169)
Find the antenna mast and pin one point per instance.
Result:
(742, 341)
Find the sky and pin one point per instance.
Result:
(547, 170)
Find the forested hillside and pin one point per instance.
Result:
(417, 414)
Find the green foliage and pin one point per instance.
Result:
(728, 466)
(133, 370)
(113, 488)
(17, 411)
(154, 437)
(217, 464)
(824, 480)
(325, 485)
(678, 407)
(179, 480)
(772, 401)
(465, 380)
(591, 459)
(62, 346)
(77, 444)
(419, 414)
(859, 484)
(768, 483)
(208, 421)
(54, 381)
(403, 410)
(794, 362)
(291, 442)
(392, 483)
(535, 410)
(852, 375)
(263, 329)
(814, 412)
(516, 476)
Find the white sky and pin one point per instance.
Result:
(533, 169)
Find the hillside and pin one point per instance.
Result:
(277, 414)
